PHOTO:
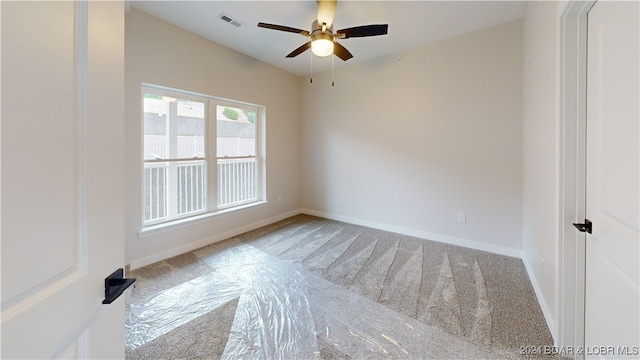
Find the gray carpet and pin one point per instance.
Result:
(307, 287)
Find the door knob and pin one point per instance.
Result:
(587, 226)
(115, 284)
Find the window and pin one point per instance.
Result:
(236, 155)
(200, 155)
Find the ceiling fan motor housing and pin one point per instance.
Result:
(321, 39)
(321, 31)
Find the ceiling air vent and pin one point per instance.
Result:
(228, 19)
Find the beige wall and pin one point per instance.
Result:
(414, 138)
(540, 152)
(161, 54)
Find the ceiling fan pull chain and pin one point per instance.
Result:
(311, 76)
(332, 72)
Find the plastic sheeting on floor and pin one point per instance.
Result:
(283, 311)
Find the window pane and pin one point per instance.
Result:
(155, 115)
(155, 192)
(237, 181)
(191, 186)
(173, 128)
(236, 129)
(190, 129)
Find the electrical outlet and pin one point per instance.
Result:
(341, 199)
(279, 198)
(462, 217)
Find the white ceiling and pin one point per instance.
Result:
(411, 24)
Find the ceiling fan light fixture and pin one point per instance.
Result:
(321, 37)
(322, 47)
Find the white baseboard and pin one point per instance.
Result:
(163, 255)
(546, 311)
(496, 249)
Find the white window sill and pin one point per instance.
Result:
(196, 219)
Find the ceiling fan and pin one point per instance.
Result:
(322, 38)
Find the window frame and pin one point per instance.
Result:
(210, 159)
(258, 148)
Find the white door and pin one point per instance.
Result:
(62, 178)
(612, 318)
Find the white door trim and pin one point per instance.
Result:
(571, 164)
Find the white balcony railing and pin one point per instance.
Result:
(191, 187)
(155, 191)
(155, 146)
(237, 181)
(237, 184)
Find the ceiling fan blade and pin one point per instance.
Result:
(300, 50)
(283, 28)
(363, 31)
(326, 11)
(341, 52)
